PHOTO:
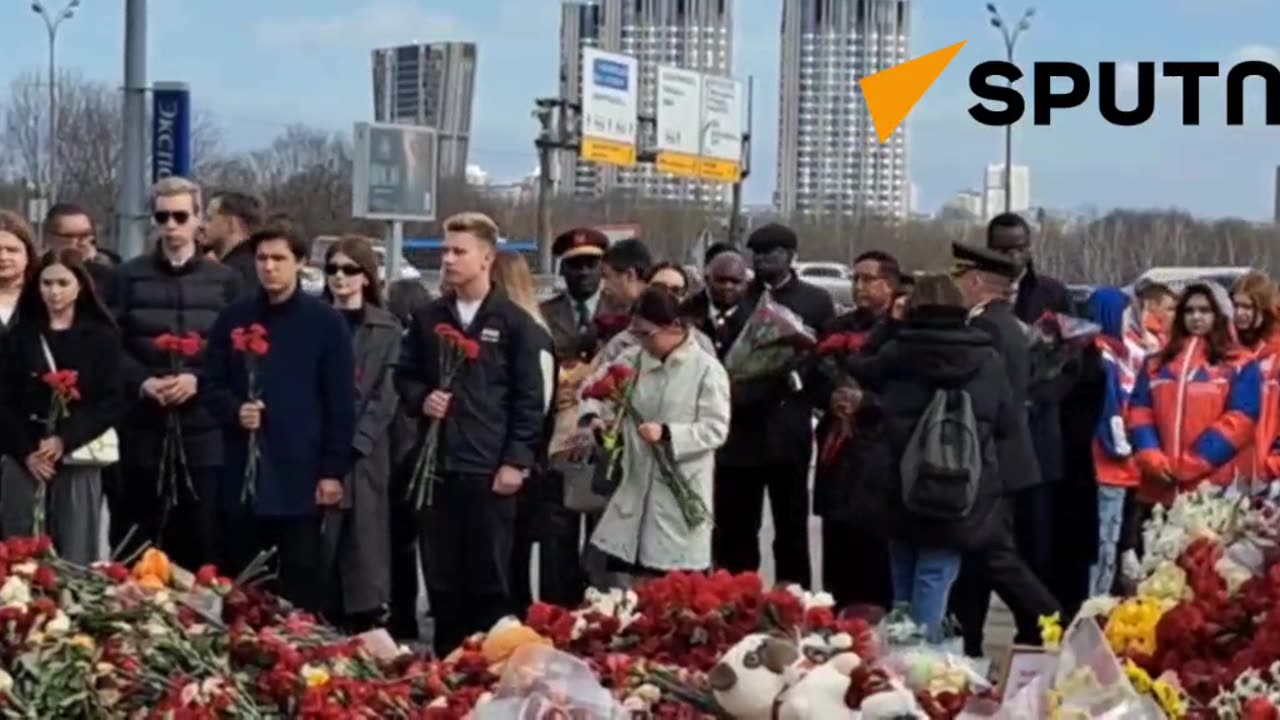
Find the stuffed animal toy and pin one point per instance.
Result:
(751, 675)
(895, 704)
(820, 694)
(507, 636)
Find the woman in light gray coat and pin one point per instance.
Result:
(360, 535)
(681, 400)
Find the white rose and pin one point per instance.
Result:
(15, 591)
(6, 682)
(649, 693)
(59, 625)
(26, 569)
(821, 600)
(841, 641)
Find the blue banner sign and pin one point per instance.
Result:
(170, 130)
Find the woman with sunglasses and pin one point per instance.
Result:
(681, 400)
(62, 326)
(361, 539)
(1196, 402)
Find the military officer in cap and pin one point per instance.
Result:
(986, 277)
(571, 316)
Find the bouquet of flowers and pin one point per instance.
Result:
(455, 350)
(1056, 340)
(616, 388)
(770, 342)
(252, 343)
(173, 457)
(63, 390)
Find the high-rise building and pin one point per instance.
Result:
(1277, 189)
(691, 34)
(431, 85)
(830, 159)
(993, 190)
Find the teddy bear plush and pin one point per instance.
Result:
(821, 693)
(749, 678)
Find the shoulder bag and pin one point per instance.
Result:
(99, 452)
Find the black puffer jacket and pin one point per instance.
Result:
(153, 298)
(932, 350)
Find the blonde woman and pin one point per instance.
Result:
(511, 275)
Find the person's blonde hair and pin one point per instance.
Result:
(935, 290)
(475, 223)
(511, 274)
(176, 185)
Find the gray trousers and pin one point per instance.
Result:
(73, 510)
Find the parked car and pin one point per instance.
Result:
(836, 278)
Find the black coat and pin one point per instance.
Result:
(1038, 294)
(772, 422)
(936, 349)
(242, 260)
(498, 410)
(153, 298)
(92, 349)
(1020, 466)
(721, 326)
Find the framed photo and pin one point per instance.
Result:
(1024, 664)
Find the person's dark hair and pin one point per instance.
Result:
(935, 291)
(360, 250)
(1007, 220)
(405, 297)
(65, 210)
(247, 208)
(665, 265)
(298, 245)
(16, 225)
(659, 306)
(1151, 291)
(629, 255)
(1221, 346)
(717, 248)
(31, 307)
(888, 264)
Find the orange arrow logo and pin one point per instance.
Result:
(891, 93)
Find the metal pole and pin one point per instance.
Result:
(1008, 143)
(131, 213)
(53, 110)
(735, 207)
(395, 248)
(545, 260)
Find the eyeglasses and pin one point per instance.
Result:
(180, 217)
(348, 270)
(859, 279)
(676, 290)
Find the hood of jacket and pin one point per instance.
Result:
(937, 344)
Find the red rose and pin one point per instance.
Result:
(819, 618)
(41, 546)
(705, 602)
(190, 344)
(45, 578)
(470, 348)
(239, 340)
(621, 373)
(207, 575)
(1260, 708)
(114, 571)
(258, 346)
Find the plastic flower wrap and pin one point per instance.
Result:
(542, 682)
(1055, 341)
(768, 343)
(1168, 583)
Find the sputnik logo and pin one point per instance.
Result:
(892, 93)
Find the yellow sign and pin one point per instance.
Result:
(719, 170)
(677, 163)
(609, 152)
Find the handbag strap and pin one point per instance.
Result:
(48, 354)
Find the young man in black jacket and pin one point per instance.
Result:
(233, 218)
(492, 419)
(172, 290)
(771, 432)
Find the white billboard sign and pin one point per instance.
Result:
(722, 103)
(679, 121)
(609, 107)
(394, 173)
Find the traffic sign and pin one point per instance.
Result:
(609, 107)
(394, 173)
(679, 121)
(722, 122)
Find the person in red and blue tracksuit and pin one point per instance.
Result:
(1122, 347)
(1196, 403)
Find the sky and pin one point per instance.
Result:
(259, 66)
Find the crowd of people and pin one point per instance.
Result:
(226, 416)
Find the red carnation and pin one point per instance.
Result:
(207, 575)
(190, 344)
(45, 578)
(1260, 708)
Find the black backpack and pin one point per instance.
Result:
(941, 466)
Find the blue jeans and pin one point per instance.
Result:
(1110, 518)
(922, 579)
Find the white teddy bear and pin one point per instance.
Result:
(820, 694)
(751, 675)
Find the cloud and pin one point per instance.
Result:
(1265, 53)
(1127, 80)
(374, 24)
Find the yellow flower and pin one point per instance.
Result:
(83, 641)
(1051, 630)
(1138, 677)
(1171, 699)
(1133, 625)
(315, 676)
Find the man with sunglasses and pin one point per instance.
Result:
(174, 289)
(68, 225)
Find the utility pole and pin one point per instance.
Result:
(51, 25)
(551, 115)
(1010, 42)
(735, 207)
(131, 210)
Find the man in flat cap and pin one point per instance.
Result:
(571, 316)
(986, 277)
(771, 431)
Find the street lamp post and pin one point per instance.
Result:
(51, 24)
(1010, 41)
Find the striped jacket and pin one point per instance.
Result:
(1122, 361)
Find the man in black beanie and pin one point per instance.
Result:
(771, 431)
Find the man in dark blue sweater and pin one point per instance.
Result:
(304, 419)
